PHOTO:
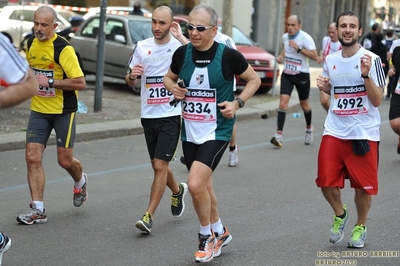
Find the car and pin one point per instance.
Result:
(121, 35)
(262, 61)
(17, 20)
(115, 10)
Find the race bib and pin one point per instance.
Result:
(45, 91)
(156, 93)
(292, 66)
(200, 105)
(350, 100)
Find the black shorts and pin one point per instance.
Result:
(40, 126)
(300, 81)
(394, 111)
(162, 136)
(209, 153)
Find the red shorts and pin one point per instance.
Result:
(336, 162)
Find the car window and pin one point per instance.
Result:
(91, 29)
(240, 38)
(22, 14)
(114, 27)
(140, 30)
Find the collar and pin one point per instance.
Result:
(292, 37)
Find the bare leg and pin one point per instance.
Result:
(332, 195)
(67, 161)
(36, 177)
(363, 203)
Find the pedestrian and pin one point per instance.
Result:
(349, 148)
(298, 48)
(369, 38)
(391, 43)
(21, 85)
(394, 111)
(137, 9)
(160, 120)
(57, 71)
(380, 50)
(208, 111)
(330, 45)
(233, 158)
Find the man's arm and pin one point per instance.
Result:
(312, 54)
(170, 82)
(16, 93)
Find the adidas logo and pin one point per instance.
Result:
(59, 140)
(356, 67)
(169, 51)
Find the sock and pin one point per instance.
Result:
(79, 185)
(343, 215)
(218, 227)
(232, 148)
(281, 119)
(39, 205)
(205, 230)
(307, 116)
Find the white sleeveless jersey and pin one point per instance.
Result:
(12, 66)
(351, 114)
(329, 47)
(156, 60)
(297, 62)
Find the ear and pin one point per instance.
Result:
(55, 25)
(360, 31)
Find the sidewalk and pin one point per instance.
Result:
(111, 129)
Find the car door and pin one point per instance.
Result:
(116, 47)
(85, 44)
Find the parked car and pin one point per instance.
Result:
(262, 61)
(122, 33)
(17, 20)
(115, 10)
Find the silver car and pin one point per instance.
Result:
(121, 35)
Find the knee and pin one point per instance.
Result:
(194, 187)
(395, 125)
(65, 162)
(32, 158)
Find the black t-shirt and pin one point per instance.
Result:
(232, 60)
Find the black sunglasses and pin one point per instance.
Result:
(198, 28)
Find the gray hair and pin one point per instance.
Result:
(210, 11)
(48, 9)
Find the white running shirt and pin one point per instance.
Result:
(297, 62)
(351, 114)
(156, 60)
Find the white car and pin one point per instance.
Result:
(15, 21)
(115, 10)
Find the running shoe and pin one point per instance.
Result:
(145, 223)
(336, 233)
(221, 241)
(5, 245)
(277, 140)
(309, 136)
(33, 215)
(205, 251)
(233, 157)
(80, 195)
(177, 200)
(358, 236)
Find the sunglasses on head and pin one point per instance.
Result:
(198, 28)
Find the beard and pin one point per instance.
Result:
(347, 44)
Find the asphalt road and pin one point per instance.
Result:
(274, 211)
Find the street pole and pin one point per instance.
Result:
(277, 44)
(227, 23)
(98, 95)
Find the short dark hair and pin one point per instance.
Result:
(375, 26)
(378, 37)
(389, 33)
(349, 13)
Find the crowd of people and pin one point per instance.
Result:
(179, 70)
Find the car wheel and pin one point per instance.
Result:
(136, 89)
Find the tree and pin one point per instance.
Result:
(227, 15)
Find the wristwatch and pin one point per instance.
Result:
(129, 74)
(364, 77)
(299, 49)
(51, 82)
(240, 101)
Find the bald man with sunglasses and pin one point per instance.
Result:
(208, 115)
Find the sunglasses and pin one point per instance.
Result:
(198, 28)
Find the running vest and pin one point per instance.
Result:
(55, 59)
(202, 119)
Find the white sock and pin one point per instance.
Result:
(39, 205)
(79, 185)
(205, 230)
(218, 227)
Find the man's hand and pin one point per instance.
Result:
(323, 84)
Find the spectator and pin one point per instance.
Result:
(137, 9)
(380, 50)
(369, 39)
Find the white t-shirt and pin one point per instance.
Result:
(156, 60)
(394, 45)
(351, 114)
(12, 66)
(329, 47)
(297, 62)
